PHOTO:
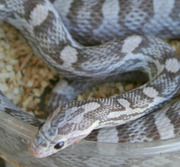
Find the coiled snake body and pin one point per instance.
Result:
(105, 23)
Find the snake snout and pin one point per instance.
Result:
(34, 151)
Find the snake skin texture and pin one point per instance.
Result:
(109, 38)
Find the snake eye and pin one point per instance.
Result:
(59, 145)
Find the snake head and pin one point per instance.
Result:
(67, 125)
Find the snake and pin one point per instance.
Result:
(90, 42)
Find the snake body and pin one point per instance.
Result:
(102, 25)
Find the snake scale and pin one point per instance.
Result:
(95, 41)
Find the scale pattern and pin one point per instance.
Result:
(109, 38)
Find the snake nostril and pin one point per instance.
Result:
(59, 145)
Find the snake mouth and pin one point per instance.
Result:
(38, 154)
(35, 153)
